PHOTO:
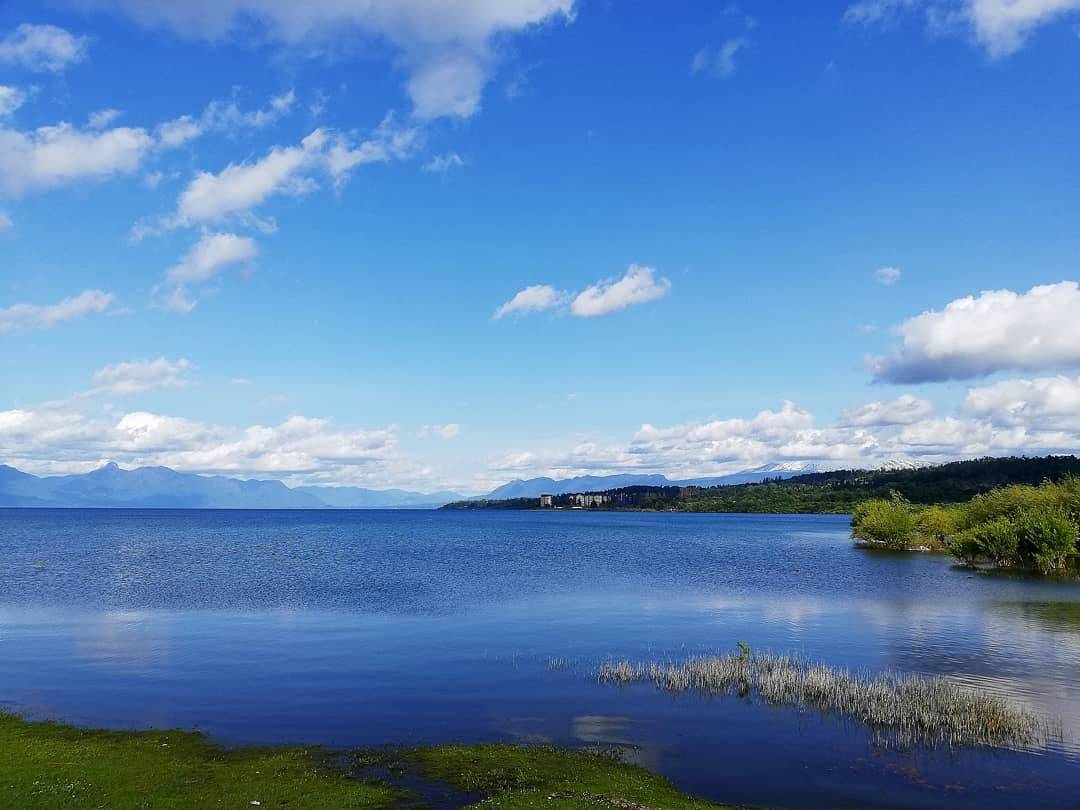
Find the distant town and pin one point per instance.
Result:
(626, 497)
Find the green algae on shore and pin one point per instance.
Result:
(48, 765)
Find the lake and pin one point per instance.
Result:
(365, 628)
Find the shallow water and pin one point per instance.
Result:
(357, 628)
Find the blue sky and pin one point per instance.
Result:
(254, 239)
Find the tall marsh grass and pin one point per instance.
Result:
(901, 709)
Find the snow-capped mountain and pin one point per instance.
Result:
(902, 463)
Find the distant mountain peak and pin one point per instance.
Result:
(902, 463)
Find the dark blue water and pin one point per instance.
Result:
(357, 628)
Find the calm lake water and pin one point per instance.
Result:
(360, 628)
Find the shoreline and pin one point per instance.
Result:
(48, 764)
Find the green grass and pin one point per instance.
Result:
(526, 777)
(46, 765)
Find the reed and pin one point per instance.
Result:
(901, 709)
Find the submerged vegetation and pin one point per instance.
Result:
(525, 777)
(46, 765)
(1034, 528)
(905, 709)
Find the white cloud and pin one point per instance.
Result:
(537, 298)
(58, 155)
(878, 12)
(638, 286)
(866, 436)
(904, 410)
(210, 255)
(6, 223)
(101, 119)
(721, 62)
(42, 48)
(11, 98)
(299, 450)
(224, 117)
(448, 48)
(237, 190)
(137, 376)
(1002, 27)
(448, 431)
(24, 317)
(240, 187)
(994, 331)
(178, 131)
(443, 163)
(1047, 401)
(887, 276)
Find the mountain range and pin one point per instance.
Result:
(162, 488)
(535, 487)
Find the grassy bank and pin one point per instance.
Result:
(46, 765)
(1032, 528)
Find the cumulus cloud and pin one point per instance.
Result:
(867, 436)
(887, 276)
(639, 285)
(1002, 27)
(995, 331)
(447, 48)
(213, 253)
(24, 317)
(904, 410)
(298, 450)
(58, 155)
(137, 376)
(1046, 401)
(42, 48)
(537, 298)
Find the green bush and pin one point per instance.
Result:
(1018, 526)
(998, 540)
(965, 547)
(938, 524)
(890, 523)
(1047, 539)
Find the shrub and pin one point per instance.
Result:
(938, 523)
(1046, 539)
(965, 547)
(890, 523)
(998, 540)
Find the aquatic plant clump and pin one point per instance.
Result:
(908, 709)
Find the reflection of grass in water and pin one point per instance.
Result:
(1054, 615)
(905, 709)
